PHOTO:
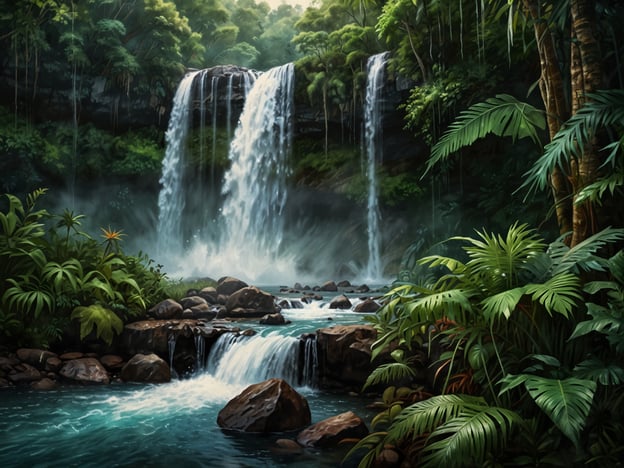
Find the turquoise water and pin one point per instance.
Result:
(158, 425)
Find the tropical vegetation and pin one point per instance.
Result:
(503, 344)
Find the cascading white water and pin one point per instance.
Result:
(254, 189)
(244, 360)
(171, 197)
(373, 151)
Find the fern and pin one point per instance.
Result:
(502, 115)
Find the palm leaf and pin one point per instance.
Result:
(581, 256)
(594, 192)
(502, 115)
(603, 109)
(502, 303)
(559, 294)
(468, 438)
(425, 416)
(388, 373)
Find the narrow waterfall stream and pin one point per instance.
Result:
(373, 151)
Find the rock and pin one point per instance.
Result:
(345, 355)
(72, 355)
(167, 309)
(200, 311)
(85, 370)
(7, 363)
(344, 284)
(24, 373)
(44, 384)
(112, 361)
(388, 458)
(192, 301)
(152, 336)
(228, 285)
(269, 406)
(340, 302)
(146, 368)
(297, 287)
(250, 302)
(287, 446)
(367, 305)
(209, 294)
(274, 319)
(34, 357)
(329, 432)
(53, 364)
(328, 286)
(363, 289)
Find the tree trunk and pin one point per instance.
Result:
(552, 91)
(585, 77)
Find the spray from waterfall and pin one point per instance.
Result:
(373, 152)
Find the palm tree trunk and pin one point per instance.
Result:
(552, 91)
(585, 77)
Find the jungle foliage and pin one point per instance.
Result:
(54, 276)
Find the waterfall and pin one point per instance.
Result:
(187, 201)
(373, 152)
(171, 197)
(244, 360)
(254, 189)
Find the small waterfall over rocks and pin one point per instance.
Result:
(373, 156)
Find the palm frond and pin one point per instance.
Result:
(503, 258)
(423, 417)
(603, 109)
(389, 373)
(581, 256)
(468, 438)
(595, 192)
(502, 303)
(502, 115)
(559, 294)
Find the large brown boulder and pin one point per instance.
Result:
(35, 357)
(250, 302)
(229, 285)
(329, 432)
(167, 309)
(269, 406)
(152, 336)
(146, 368)
(340, 302)
(85, 370)
(345, 354)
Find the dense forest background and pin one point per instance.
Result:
(87, 89)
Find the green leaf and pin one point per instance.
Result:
(502, 115)
(503, 303)
(559, 294)
(389, 373)
(423, 417)
(605, 373)
(566, 402)
(468, 438)
(105, 321)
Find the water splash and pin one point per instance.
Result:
(373, 151)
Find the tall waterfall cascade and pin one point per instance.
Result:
(373, 156)
(197, 90)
